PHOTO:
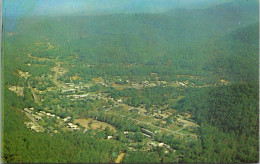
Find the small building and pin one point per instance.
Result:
(66, 119)
(187, 115)
(33, 127)
(37, 118)
(29, 124)
(147, 132)
(152, 144)
(74, 127)
(182, 84)
(146, 135)
(27, 110)
(167, 146)
(42, 112)
(125, 132)
(39, 114)
(109, 137)
(160, 144)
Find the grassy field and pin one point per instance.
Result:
(91, 123)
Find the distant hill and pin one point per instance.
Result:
(236, 56)
(185, 40)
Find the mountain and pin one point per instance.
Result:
(182, 39)
(236, 55)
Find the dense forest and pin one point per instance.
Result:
(130, 72)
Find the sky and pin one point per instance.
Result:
(19, 9)
(92, 7)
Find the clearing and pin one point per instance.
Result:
(91, 123)
(17, 89)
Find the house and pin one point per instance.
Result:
(43, 112)
(152, 144)
(33, 127)
(187, 115)
(74, 127)
(145, 82)
(167, 146)
(147, 132)
(37, 118)
(160, 144)
(182, 84)
(27, 110)
(69, 90)
(29, 124)
(157, 131)
(66, 119)
(39, 114)
(146, 135)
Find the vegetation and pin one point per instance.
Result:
(178, 86)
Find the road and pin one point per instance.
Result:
(119, 158)
(33, 93)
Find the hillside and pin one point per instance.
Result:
(172, 86)
(236, 55)
(169, 43)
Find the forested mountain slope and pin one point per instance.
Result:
(235, 56)
(188, 75)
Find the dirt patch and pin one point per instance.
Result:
(119, 157)
(17, 89)
(74, 78)
(37, 58)
(121, 86)
(224, 81)
(97, 80)
(23, 74)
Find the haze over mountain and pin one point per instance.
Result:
(93, 7)
(104, 81)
